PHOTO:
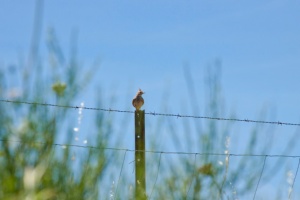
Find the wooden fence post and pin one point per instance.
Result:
(140, 167)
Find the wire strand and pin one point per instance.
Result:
(153, 113)
(262, 171)
(156, 176)
(193, 175)
(120, 172)
(290, 194)
(158, 152)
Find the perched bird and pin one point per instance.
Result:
(138, 100)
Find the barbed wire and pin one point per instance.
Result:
(153, 113)
(155, 151)
(65, 106)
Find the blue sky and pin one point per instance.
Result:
(145, 44)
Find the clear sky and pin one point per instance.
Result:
(145, 44)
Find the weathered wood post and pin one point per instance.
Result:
(140, 167)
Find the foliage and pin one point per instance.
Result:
(31, 165)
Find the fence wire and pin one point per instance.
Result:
(152, 113)
(163, 152)
(120, 172)
(262, 171)
(156, 176)
(292, 187)
(154, 151)
(177, 153)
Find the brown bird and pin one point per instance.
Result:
(138, 100)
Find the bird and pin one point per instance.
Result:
(138, 100)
